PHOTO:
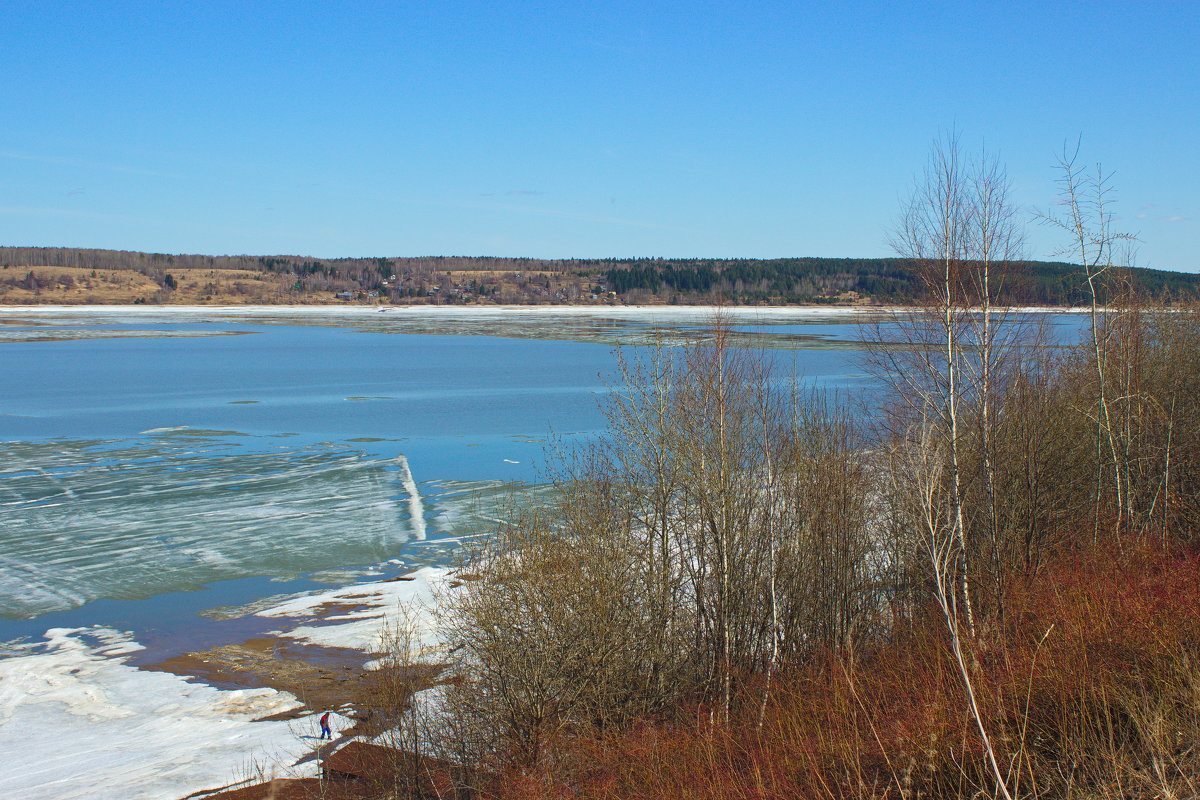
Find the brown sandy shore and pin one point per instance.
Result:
(320, 676)
(323, 676)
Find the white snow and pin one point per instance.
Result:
(465, 319)
(416, 509)
(387, 605)
(352, 314)
(76, 721)
(138, 313)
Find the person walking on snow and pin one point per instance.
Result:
(326, 732)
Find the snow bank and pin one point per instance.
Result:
(384, 605)
(77, 722)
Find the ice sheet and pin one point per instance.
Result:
(129, 520)
(629, 324)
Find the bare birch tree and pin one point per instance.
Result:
(934, 234)
(1088, 220)
(922, 476)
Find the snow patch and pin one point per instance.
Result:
(384, 606)
(76, 721)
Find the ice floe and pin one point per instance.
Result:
(76, 721)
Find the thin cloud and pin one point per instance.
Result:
(1174, 219)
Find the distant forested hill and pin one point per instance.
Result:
(884, 280)
(28, 274)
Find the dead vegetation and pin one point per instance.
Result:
(82, 286)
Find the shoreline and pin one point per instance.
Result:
(485, 310)
(48, 323)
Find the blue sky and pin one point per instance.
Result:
(576, 129)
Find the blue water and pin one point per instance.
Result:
(435, 392)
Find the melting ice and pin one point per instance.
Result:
(132, 519)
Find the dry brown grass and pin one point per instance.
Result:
(213, 286)
(1089, 687)
(83, 286)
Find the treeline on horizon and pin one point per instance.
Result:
(885, 280)
(635, 280)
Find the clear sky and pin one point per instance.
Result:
(582, 129)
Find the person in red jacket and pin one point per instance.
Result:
(326, 731)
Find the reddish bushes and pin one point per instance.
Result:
(1089, 687)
